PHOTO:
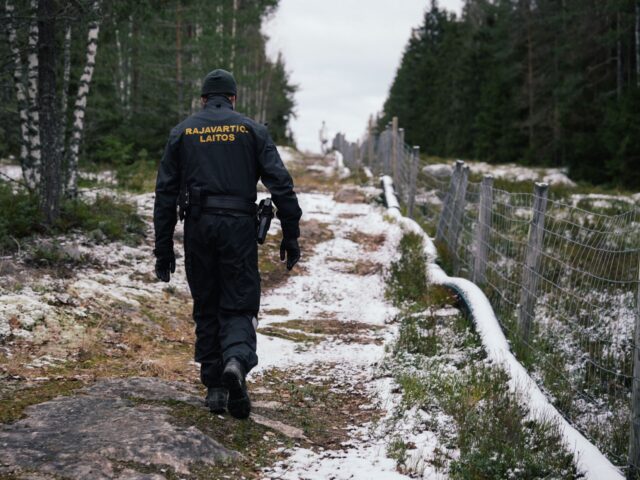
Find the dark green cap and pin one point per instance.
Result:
(219, 81)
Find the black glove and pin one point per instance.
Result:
(165, 265)
(292, 249)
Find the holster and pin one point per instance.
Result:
(265, 214)
(182, 204)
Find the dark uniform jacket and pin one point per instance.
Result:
(222, 152)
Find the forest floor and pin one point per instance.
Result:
(96, 369)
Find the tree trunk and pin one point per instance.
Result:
(638, 43)
(32, 95)
(119, 75)
(64, 99)
(234, 20)
(530, 93)
(135, 66)
(128, 80)
(179, 58)
(196, 66)
(21, 94)
(81, 102)
(619, 59)
(51, 172)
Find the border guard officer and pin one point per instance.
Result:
(210, 168)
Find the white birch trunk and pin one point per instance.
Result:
(128, 78)
(21, 94)
(64, 99)
(32, 97)
(81, 103)
(120, 75)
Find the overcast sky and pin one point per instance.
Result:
(343, 55)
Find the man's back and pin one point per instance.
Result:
(219, 150)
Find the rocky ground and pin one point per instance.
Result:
(97, 377)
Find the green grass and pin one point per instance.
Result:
(397, 450)
(103, 219)
(13, 404)
(106, 217)
(406, 281)
(139, 177)
(439, 365)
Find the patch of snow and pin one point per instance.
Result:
(600, 200)
(510, 171)
(287, 154)
(438, 169)
(365, 463)
(10, 171)
(341, 169)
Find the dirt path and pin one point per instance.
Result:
(117, 346)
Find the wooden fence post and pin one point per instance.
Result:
(634, 434)
(483, 229)
(401, 166)
(387, 150)
(533, 256)
(457, 218)
(415, 159)
(370, 145)
(394, 148)
(444, 222)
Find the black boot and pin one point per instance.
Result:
(233, 378)
(217, 398)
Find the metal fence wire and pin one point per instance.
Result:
(562, 274)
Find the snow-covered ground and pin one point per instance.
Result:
(49, 310)
(347, 297)
(508, 171)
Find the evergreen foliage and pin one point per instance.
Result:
(543, 82)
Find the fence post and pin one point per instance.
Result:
(634, 434)
(444, 222)
(394, 149)
(387, 150)
(415, 158)
(370, 146)
(400, 163)
(458, 216)
(532, 261)
(483, 228)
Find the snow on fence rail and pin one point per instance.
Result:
(564, 281)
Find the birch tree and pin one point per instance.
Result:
(64, 100)
(32, 95)
(21, 95)
(81, 102)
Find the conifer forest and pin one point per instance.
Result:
(541, 82)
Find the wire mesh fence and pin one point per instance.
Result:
(564, 281)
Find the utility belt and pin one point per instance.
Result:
(195, 202)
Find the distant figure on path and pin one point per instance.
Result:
(324, 139)
(210, 168)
